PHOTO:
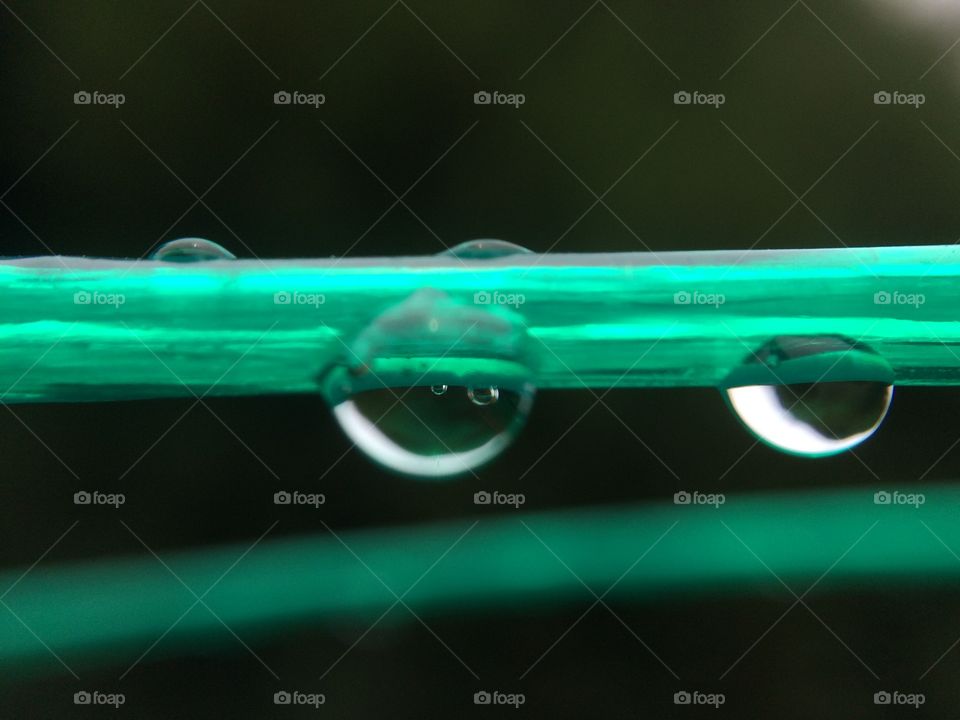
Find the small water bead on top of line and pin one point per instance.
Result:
(191, 250)
(485, 249)
(811, 395)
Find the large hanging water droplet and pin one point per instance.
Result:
(434, 387)
(487, 249)
(191, 250)
(811, 395)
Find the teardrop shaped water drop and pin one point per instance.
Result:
(191, 250)
(485, 249)
(811, 395)
(434, 387)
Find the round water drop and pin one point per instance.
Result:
(484, 395)
(191, 250)
(811, 395)
(446, 387)
(485, 250)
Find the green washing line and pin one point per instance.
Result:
(112, 610)
(126, 329)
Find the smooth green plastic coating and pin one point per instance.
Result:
(486, 563)
(81, 329)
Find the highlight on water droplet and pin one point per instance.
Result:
(485, 249)
(191, 250)
(811, 395)
(434, 387)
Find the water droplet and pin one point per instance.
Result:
(191, 250)
(485, 250)
(484, 395)
(434, 404)
(811, 395)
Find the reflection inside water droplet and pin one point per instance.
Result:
(811, 395)
(190, 250)
(415, 431)
(484, 395)
(445, 386)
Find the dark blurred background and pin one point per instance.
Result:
(799, 119)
